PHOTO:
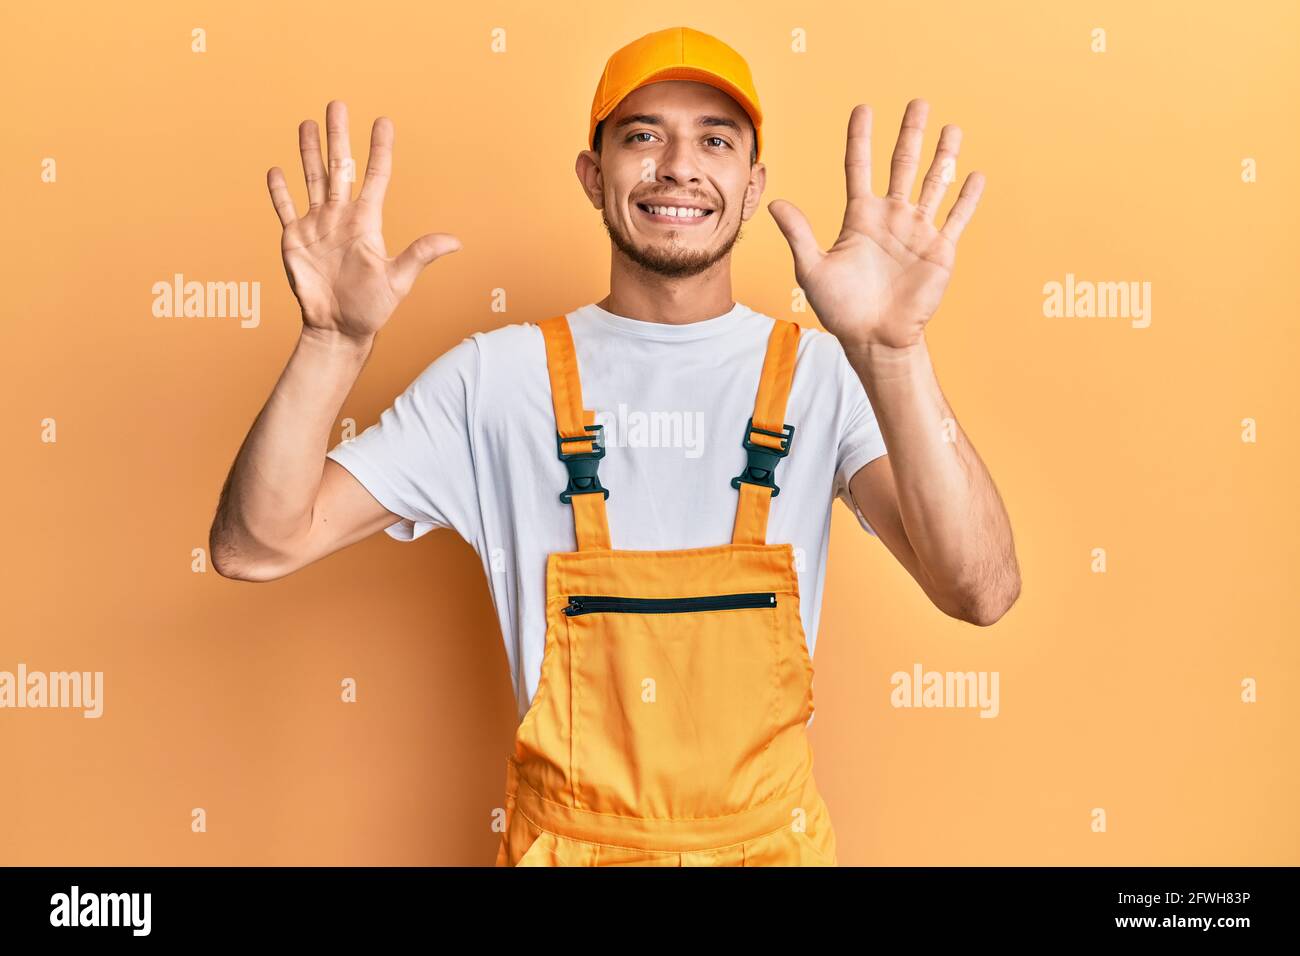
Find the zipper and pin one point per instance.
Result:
(588, 603)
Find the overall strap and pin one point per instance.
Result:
(767, 437)
(579, 442)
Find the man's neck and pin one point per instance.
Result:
(670, 301)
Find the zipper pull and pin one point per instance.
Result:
(575, 606)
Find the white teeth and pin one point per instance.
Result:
(678, 211)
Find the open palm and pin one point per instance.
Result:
(334, 255)
(885, 275)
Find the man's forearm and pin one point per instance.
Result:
(270, 492)
(951, 510)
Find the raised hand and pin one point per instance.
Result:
(334, 254)
(882, 280)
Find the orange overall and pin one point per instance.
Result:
(669, 725)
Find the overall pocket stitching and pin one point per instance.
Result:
(774, 704)
(549, 650)
(533, 844)
(816, 850)
(776, 640)
(563, 837)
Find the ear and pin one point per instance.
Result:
(754, 191)
(589, 176)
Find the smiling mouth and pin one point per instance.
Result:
(674, 214)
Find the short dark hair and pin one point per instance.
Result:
(753, 141)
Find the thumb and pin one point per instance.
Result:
(798, 233)
(407, 267)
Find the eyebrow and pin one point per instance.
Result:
(655, 119)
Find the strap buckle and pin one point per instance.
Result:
(761, 468)
(582, 464)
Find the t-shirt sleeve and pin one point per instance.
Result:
(417, 460)
(860, 440)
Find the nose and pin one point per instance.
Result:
(677, 163)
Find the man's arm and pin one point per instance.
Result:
(931, 500)
(279, 509)
(284, 503)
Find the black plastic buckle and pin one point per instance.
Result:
(582, 464)
(761, 468)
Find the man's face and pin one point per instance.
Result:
(676, 144)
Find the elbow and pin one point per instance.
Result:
(986, 606)
(233, 563)
(984, 598)
(221, 555)
(225, 561)
(234, 569)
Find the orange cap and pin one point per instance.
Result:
(678, 53)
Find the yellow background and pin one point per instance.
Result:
(1118, 690)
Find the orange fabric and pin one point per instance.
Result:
(678, 53)
(769, 413)
(774, 382)
(751, 515)
(670, 739)
(591, 523)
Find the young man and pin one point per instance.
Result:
(662, 667)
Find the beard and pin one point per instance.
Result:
(667, 257)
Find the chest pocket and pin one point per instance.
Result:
(675, 701)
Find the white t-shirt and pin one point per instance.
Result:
(470, 445)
